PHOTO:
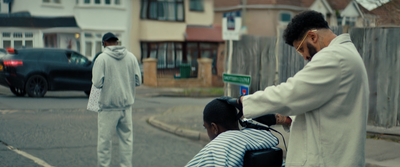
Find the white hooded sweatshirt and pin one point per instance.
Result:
(329, 97)
(117, 72)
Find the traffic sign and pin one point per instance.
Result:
(231, 25)
(237, 79)
(244, 90)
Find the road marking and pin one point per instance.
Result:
(34, 159)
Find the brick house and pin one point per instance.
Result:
(388, 14)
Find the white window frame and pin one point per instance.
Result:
(284, 12)
(350, 19)
(12, 39)
(91, 40)
(102, 3)
(52, 4)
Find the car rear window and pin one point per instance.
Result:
(28, 54)
(41, 55)
(54, 55)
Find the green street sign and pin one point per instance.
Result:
(237, 79)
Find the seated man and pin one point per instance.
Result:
(228, 143)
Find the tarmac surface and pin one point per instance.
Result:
(382, 145)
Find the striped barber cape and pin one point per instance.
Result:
(229, 148)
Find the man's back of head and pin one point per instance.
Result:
(302, 23)
(218, 117)
(309, 33)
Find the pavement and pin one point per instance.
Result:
(382, 145)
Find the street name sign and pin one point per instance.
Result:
(237, 79)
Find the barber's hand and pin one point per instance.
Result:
(232, 101)
(285, 121)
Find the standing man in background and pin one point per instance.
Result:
(116, 71)
(329, 97)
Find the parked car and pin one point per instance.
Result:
(3, 52)
(38, 70)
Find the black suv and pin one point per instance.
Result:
(38, 70)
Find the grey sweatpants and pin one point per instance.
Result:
(108, 122)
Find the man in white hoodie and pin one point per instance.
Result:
(116, 71)
(329, 97)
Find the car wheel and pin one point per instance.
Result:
(87, 92)
(36, 86)
(17, 91)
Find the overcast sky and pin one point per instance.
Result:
(371, 4)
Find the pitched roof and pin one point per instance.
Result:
(363, 9)
(338, 4)
(38, 22)
(307, 3)
(388, 13)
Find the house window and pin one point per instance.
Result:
(102, 2)
(196, 50)
(6, 35)
(17, 44)
(92, 43)
(78, 45)
(17, 40)
(170, 10)
(28, 35)
(29, 43)
(351, 21)
(88, 35)
(285, 17)
(52, 1)
(88, 49)
(50, 40)
(98, 46)
(168, 54)
(6, 44)
(196, 5)
(17, 35)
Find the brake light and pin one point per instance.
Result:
(11, 51)
(12, 63)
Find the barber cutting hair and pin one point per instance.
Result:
(329, 97)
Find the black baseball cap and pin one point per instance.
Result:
(109, 36)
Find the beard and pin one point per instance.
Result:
(311, 51)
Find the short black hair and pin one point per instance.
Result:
(302, 23)
(221, 113)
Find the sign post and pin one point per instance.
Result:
(231, 26)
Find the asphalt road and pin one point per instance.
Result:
(57, 130)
